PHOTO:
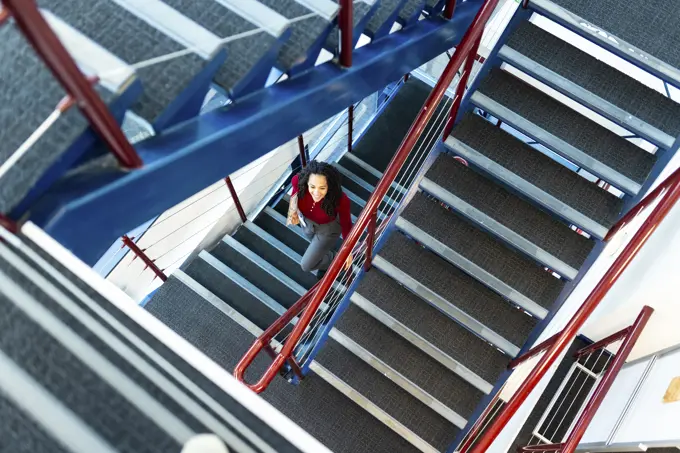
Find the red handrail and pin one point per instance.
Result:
(533, 352)
(48, 46)
(139, 253)
(610, 277)
(427, 111)
(237, 201)
(673, 178)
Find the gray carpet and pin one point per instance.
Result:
(283, 233)
(597, 77)
(510, 210)
(384, 11)
(20, 434)
(651, 25)
(539, 169)
(230, 292)
(359, 171)
(133, 41)
(355, 188)
(258, 245)
(432, 325)
(569, 125)
(515, 269)
(303, 32)
(411, 8)
(458, 288)
(411, 362)
(391, 398)
(346, 428)
(262, 279)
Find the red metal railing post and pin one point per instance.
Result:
(237, 202)
(370, 242)
(346, 25)
(592, 301)
(350, 127)
(8, 224)
(303, 155)
(134, 248)
(460, 89)
(450, 7)
(606, 383)
(59, 61)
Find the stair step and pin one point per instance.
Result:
(381, 22)
(508, 216)
(411, 10)
(535, 175)
(457, 294)
(133, 40)
(229, 286)
(368, 173)
(223, 19)
(224, 335)
(565, 131)
(354, 183)
(624, 29)
(427, 426)
(443, 391)
(306, 32)
(274, 223)
(275, 253)
(594, 83)
(515, 276)
(257, 271)
(427, 329)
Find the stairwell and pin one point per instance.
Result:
(477, 258)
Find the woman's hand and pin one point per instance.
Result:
(348, 261)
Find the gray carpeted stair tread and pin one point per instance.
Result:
(567, 124)
(538, 169)
(21, 434)
(406, 409)
(428, 374)
(73, 382)
(458, 288)
(346, 429)
(242, 54)
(359, 171)
(275, 257)
(435, 327)
(359, 10)
(510, 266)
(382, 14)
(355, 188)
(597, 77)
(633, 21)
(303, 32)
(232, 293)
(510, 210)
(281, 232)
(255, 274)
(411, 8)
(132, 40)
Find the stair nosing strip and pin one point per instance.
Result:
(398, 379)
(421, 343)
(326, 9)
(278, 245)
(356, 199)
(273, 213)
(263, 264)
(259, 15)
(335, 382)
(478, 273)
(520, 184)
(499, 230)
(592, 101)
(602, 37)
(242, 282)
(375, 172)
(452, 311)
(354, 177)
(556, 144)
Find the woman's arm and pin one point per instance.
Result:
(293, 218)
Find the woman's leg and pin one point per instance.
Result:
(319, 254)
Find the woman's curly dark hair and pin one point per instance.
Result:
(331, 201)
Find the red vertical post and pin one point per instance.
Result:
(448, 10)
(370, 242)
(460, 89)
(407, 76)
(237, 202)
(346, 24)
(59, 61)
(350, 127)
(303, 155)
(8, 224)
(134, 248)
